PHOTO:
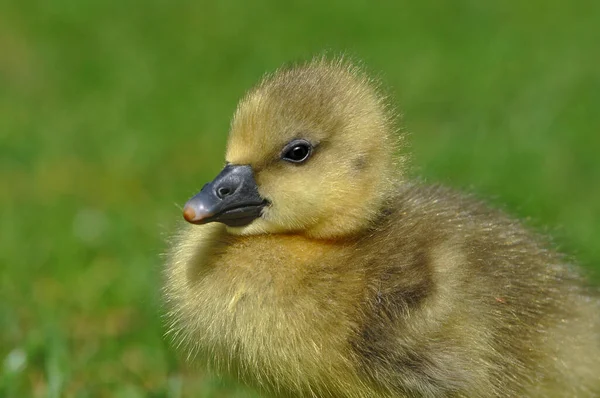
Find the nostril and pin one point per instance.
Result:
(223, 191)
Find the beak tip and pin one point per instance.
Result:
(189, 214)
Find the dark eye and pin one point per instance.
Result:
(297, 151)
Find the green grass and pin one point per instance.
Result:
(112, 113)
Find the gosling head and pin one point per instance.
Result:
(310, 151)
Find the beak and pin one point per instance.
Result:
(232, 198)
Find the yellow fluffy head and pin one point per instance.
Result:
(335, 108)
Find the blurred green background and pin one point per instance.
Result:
(112, 113)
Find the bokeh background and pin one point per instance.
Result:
(113, 113)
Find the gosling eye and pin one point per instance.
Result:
(297, 151)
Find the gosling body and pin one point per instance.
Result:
(350, 281)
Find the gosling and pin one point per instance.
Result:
(311, 267)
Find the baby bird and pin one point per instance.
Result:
(311, 267)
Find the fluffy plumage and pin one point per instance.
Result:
(356, 283)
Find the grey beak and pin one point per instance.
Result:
(232, 198)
